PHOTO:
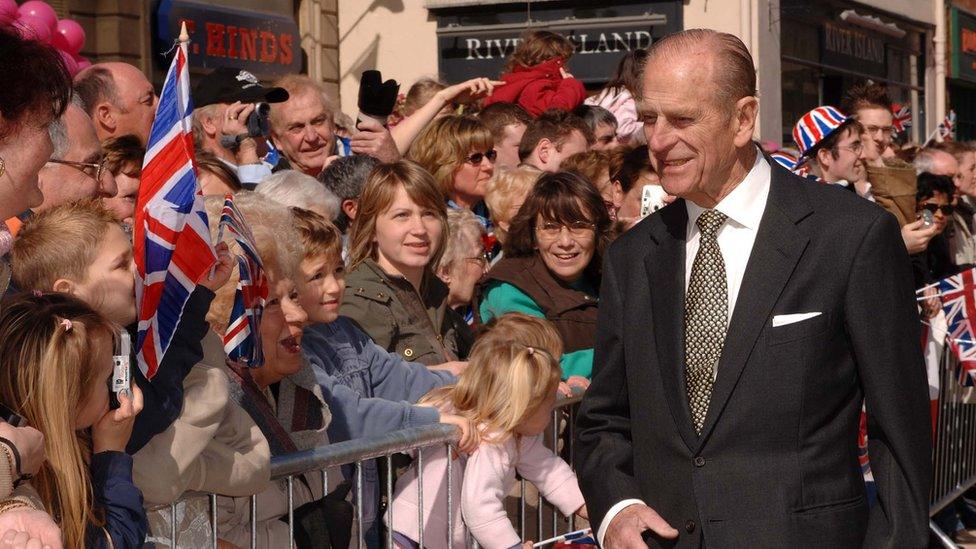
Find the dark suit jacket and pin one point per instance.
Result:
(776, 463)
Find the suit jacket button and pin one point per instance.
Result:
(699, 461)
(690, 526)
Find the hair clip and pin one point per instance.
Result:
(531, 350)
(66, 324)
(37, 293)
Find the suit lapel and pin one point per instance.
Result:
(665, 266)
(778, 247)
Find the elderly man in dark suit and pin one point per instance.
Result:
(740, 330)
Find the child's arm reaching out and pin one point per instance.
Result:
(483, 495)
(551, 475)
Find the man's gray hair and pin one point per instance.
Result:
(58, 131)
(346, 177)
(298, 190)
(925, 160)
(95, 85)
(733, 69)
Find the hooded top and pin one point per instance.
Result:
(539, 88)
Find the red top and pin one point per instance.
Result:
(539, 88)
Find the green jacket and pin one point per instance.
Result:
(420, 327)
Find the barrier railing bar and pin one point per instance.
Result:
(450, 497)
(213, 520)
(361, 536)
(291, 512)
(254, 521)
(172, 523)
(389, 498)
(420, 496)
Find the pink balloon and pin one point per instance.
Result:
(41, 10)
(69, 36)
(8, 12)
(83, 63)
(33, 28)
(69, 63)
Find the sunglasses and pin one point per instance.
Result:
(946, 210)
(477, 157)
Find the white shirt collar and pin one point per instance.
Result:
(747, 201)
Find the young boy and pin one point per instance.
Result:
(80, 249)
(342, 355)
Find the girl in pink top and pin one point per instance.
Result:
(508, 390)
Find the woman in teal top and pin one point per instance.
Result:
(551, 263)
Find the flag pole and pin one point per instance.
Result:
(184, 36)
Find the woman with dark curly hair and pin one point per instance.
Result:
(551, 265)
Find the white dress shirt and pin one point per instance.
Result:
(744, 207)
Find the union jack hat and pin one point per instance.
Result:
(817, 125)
(784, 159)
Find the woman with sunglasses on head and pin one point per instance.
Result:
(459, 152)
(551, 266)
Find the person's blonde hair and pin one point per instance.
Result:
(539, 46)
(52, 347)
(59, 243)
(505, 186)
(465, 229)
(378, 195)
(419, 94)
(512, 368)
(320, 238)
(593, 165)
(446, 144)
(275, 237)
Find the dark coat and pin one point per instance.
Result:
(776, 462)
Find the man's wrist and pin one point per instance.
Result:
(612, 514)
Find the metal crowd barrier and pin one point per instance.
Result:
(355, 452)
(954, 448)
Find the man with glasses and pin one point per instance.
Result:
(76, 169)
(830, 144)
(869, 104)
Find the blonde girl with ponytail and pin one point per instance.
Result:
(508, 391)
(55, 371)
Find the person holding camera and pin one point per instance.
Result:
(230, 120)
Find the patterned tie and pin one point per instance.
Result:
(706, 311)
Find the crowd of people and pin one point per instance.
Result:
(444, 267)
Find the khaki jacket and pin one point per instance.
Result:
(893, 187)
(420, 327)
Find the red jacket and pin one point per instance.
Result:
(539, 88)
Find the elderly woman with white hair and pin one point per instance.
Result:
(464, 261)
(295, 189)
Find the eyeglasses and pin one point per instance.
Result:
(577, 229)
(91, 169)
(946, 210)
(477, 157)
(481, 261)
(885, 130)
(855, 147)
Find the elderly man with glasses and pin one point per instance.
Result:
(76, 169)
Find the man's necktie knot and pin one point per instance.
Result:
(710, 221)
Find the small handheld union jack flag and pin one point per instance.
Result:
(958, 294)
(242, 340)
(171, 237)
(902, 117)
(947, 128)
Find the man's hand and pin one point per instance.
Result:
(26, 527)
(235, 119)
(624, 531)
(916, 236)
(30, 445)
(375, 140)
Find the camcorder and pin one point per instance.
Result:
(377, 98)
(257, 126)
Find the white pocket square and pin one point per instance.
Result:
(783, 320)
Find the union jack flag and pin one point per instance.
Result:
(958, 293)
(242, 341)
(784, 159)
(171, 238)
(947, 128)
(903, 117)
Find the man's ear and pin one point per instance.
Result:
(824, 158)
(64, 286)
(544, 150)
(746, 112)
(349, 207)
(210, 127)
(104, 116)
